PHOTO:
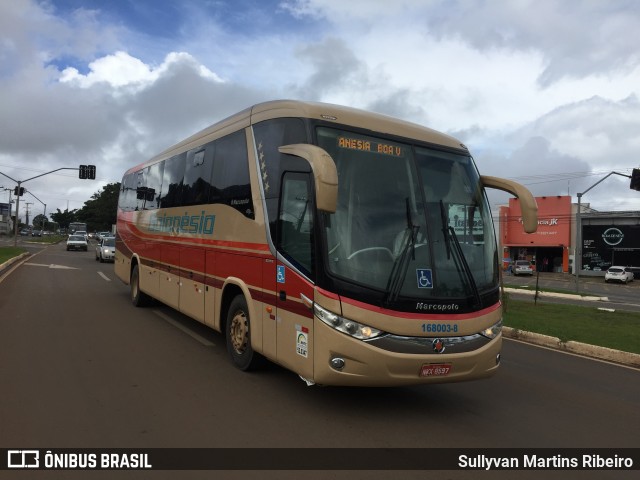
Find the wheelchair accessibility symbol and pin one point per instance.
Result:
(425, 280)
(280, 274)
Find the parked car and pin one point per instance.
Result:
(522, 267)
(77, 242)
(106, 250)
(619, 274)
(36, 233)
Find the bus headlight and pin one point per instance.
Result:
(354, 329)
(493, 331)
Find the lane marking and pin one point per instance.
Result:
(52, 265)
(104, 276)
(179, 326)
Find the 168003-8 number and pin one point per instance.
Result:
(439, 328)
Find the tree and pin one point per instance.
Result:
(64, 218)
(39, 221)
(100, 212)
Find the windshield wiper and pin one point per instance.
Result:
(445, 230)
(459, 258)
(401, 264)
(465, 265)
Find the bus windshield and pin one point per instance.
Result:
(412, 224)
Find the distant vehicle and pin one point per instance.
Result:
(24, 232)
(36, 233)
(77, 242)
(83, 233)
(106, 250)
(619, 274)
(522, 267)
(77, 226)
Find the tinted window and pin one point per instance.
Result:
(197, 175)
(296, 221)
(153, 184)
(172, 178)
(270, 135)
(127, 199)
(231, 183)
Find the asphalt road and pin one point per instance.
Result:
(80, 367)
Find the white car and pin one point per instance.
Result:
(106, 250)
(83, 233)
(619, 274)
(77, 242)
(522, 267)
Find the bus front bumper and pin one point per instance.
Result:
(342, 360)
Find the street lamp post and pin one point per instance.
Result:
(578, 259)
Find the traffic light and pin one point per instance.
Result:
(18, 192)
(87, 172)
(635, 179)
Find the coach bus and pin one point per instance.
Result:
(349, 247)
(77, 227)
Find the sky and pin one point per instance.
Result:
(543, 92)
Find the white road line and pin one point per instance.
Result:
(104, 276)
(178, 325)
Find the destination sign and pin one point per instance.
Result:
(370, 146)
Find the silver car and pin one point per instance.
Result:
(522, 267)
(106, 250)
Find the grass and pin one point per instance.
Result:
(619, 330)
(7, 253)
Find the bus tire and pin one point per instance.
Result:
(138, 297)
(238, 335)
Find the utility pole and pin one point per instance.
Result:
(27, 213)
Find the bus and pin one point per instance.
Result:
(349, 247)
(77, 227)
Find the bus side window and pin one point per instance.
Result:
(172, 179)
(197, 175)
(231, 184)
(295, 220)
(127, 199)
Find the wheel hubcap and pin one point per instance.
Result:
(239, 332)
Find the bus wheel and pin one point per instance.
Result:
(138, 297)
(238, 335)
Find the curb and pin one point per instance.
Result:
(557, 295)
(584, 349)
(13, 260)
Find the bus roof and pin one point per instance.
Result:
(341, 115)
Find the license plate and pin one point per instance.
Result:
(435, 370)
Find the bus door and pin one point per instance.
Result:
(270, 309)
(295, 243)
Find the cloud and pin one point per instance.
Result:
(574, 42)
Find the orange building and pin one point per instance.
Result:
(548, 248)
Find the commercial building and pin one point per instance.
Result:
(608, 238)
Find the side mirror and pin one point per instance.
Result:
(324, 173)
(528, 204)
